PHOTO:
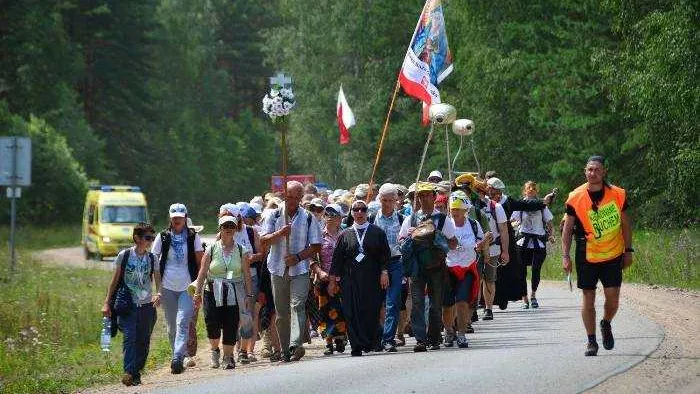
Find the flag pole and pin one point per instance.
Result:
(381, 139)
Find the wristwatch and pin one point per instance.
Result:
(629, 250)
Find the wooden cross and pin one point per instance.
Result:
(280, 80)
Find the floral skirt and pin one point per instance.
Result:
(332, 322)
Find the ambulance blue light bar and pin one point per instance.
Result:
(110, 188)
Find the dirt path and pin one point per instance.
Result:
(673, 367)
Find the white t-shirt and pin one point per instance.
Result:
(448, 230)
(495, 250)
(464, 255)
(531, 223)
(176, 276)
(242, 239)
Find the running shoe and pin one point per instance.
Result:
(449, 340)
(329, 350)
(243, 358)
(420, 347)
(127, 380)
(275, 356)
(470, 329)
(176, 367)
(434, 346)
(340, 345)
(475, 316)
(297, 352)
(462, 341)
(606, 332)
(488, 314)
(229, 362)
(137, 379)
(389, 348)
(534, 302)
(215, 356)
(592, 349)
(400, 340)
(526, 305)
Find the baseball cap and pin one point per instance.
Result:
(257, 207)
(496, 183)
(249, 212)
(317, 202)
(425, 187)
(227, 219)
(334, 209)
(178, 210)
(435, 174)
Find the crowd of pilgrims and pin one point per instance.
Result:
(363, 269)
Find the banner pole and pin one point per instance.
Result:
(378, 157)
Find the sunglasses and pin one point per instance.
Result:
(147, 237)
(228, 226)
(178, 209)
(359, 209)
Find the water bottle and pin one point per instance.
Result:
(106, 337)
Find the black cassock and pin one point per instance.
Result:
(361, 289)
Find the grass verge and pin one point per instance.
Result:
(662, 257)
(36, 238)
(50, 323)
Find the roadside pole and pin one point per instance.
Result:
(15, 171)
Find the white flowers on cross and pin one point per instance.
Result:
(278, 103)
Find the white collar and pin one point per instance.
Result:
(360, 226)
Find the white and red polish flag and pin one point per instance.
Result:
(428, 59)
(346, 119)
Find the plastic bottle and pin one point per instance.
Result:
(106, 337)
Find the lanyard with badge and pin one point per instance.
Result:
(227, 261)
(360, 241)
(140, 273)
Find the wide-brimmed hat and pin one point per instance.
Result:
(193, 227)
(425, 187)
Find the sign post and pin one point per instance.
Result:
(15, 171)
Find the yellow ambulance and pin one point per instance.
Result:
(109, 217)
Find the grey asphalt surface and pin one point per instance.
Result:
(537, 350)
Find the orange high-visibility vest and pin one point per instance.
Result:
(603, 227)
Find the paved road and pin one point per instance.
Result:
(520, 351)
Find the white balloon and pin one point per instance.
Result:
(463, 127)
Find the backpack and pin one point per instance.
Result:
(373, 217)
(475, 229)
(430, 256)
(121, 294)
(166, 240)
(492, 209)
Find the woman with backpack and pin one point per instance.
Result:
(134, 276)
(463, 289)
(178, 251)
(224, 286)
(531, 239)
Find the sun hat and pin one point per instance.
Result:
(231, 209)
(425, 187)
(193, 227)
(227, 219)
(361, 190)
(317, 202)
(178, 210)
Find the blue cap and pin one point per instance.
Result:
(249, 212)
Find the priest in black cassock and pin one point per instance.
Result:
(360, 263)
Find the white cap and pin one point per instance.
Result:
(336, 208)
(435, 174)
(496, 183)
(178, 210)
(317, 202)
(257, 200)
(388, 189)
(226, 219)
(232, 209)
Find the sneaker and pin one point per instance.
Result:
(606, 332)
(420, 347)
(400, 340)
(449, 340)
(127, 380)
(297, 352)
(488, 314)
(503, 305)
(176, 367)
(475, 317)
(243, 358)
(526, 305)
(229, 362)
(534, 303)
(215, 356)
(190, 362)
(252, 358)
(462, 341)
(592, 349)
(378, 348)
(340, 345)
(275, 356)
(329, 350)
(356, 352)
(389, 348)
(470, 329)
(137, 379)
(434, 346)
(285, 357)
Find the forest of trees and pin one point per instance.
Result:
(165, 94)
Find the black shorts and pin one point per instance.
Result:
(220, 320)
(609, 273)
